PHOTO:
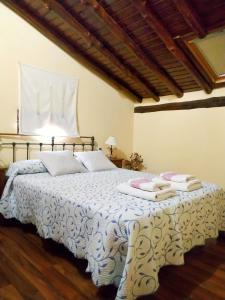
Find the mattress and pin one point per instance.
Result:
(126, 240)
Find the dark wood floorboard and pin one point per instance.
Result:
(35, 269)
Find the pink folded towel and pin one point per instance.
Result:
(172, 176)
(147, 185)
(136, 183)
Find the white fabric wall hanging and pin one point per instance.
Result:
(47, 103)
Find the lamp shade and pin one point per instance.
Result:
(111, 141)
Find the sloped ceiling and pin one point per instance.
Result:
(136, 44)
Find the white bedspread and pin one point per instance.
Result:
(126, 240)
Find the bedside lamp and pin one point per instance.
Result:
(111, 141)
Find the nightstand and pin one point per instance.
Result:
(3, 179)
(117, 161)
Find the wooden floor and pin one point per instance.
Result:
(32, 268)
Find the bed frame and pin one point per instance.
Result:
(88, 143)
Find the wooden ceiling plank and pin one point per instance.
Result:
(92, 40)
(191, 17)
(121, 34)
(71, 49)
(145, 10)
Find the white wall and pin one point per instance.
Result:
(190, 141)
(184, 141)
(102, 110)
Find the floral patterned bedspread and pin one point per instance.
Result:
(126, 240)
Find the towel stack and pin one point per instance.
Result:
(147, 189)
(179, 182)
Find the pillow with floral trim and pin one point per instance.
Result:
(30, 166)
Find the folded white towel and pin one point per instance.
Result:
(181, 186)
(147, 185)
(171, 176)
(125, 188)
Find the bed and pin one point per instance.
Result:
(126, 240)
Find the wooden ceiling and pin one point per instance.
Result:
(136, 44)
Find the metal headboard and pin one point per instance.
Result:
(89, 143)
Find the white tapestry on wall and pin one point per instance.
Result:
(47, 103)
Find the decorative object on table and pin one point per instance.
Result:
(111, 142)
(136, 162)
(126, 164)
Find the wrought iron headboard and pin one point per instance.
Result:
(89, 143)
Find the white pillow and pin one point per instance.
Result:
(60, 162)
(95, 160)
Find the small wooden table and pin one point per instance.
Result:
(3, 180)
(117, 162)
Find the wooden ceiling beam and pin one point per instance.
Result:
(183, 105)
(92, 40)
(136, 50)
(145, 10)
(191, 17)
(70, 48)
